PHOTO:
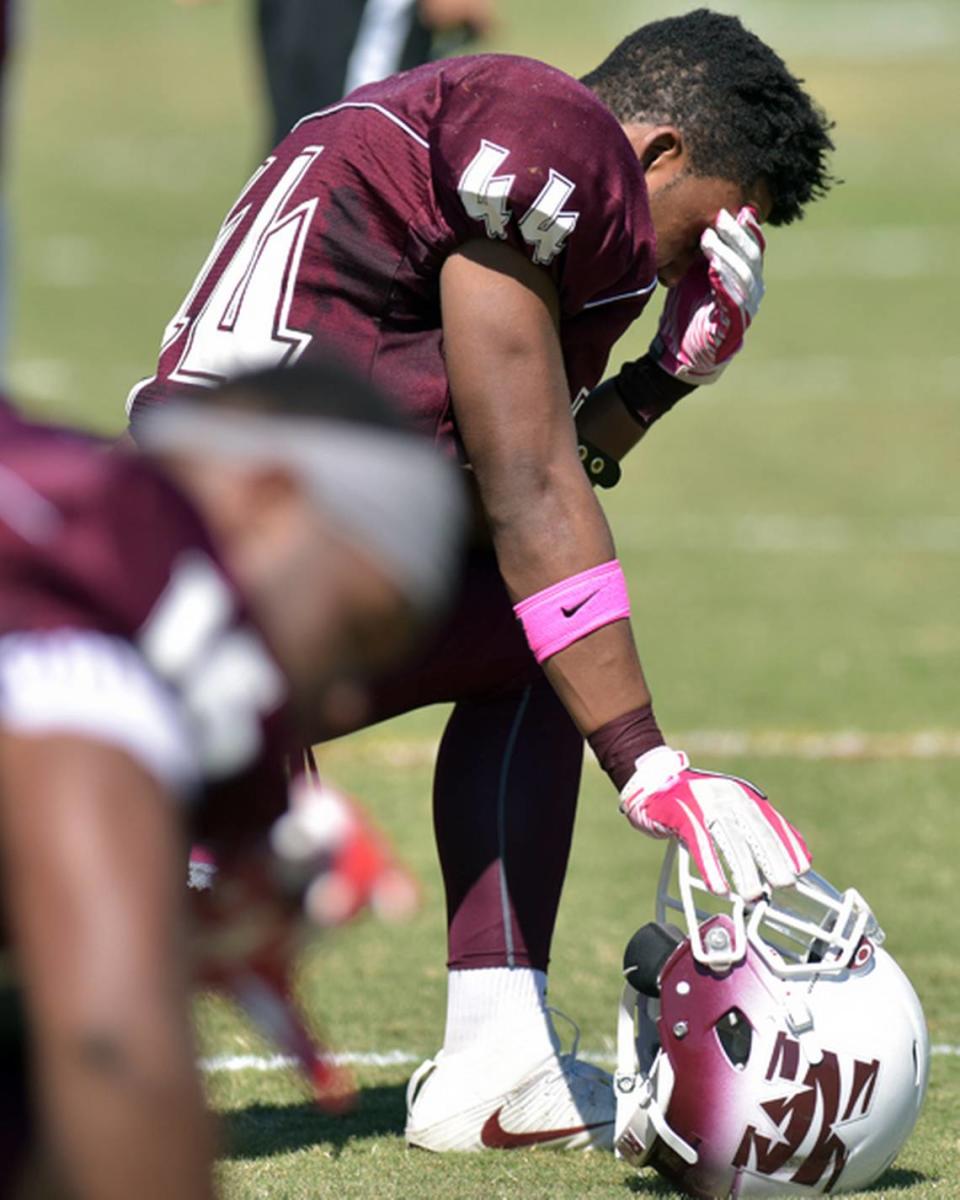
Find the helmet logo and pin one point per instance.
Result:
(789, 1118)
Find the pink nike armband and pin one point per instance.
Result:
(567, 611)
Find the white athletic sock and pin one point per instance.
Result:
(498, 1009)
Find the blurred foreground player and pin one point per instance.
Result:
(167, 620)
(480, 233)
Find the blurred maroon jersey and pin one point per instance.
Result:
(340, 235)
(118, 620)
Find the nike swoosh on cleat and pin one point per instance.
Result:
(569, 612)
(495, 1137)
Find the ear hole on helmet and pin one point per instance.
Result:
(916, 1063)
(735, 1035)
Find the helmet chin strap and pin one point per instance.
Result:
(800, 1023)
(642, 1098)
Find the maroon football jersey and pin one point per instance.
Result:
(340, 235)
(105, 559)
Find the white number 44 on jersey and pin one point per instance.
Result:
(485, 196)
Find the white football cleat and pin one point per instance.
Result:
(562, 1102)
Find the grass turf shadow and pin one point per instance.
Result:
(899, 1177)
(649, 1184)
(262, 1130)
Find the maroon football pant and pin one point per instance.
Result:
(507, 777)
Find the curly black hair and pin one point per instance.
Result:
(744, 115)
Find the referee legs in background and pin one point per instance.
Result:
(315, 51)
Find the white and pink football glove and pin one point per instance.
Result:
(707, 314)
(715, 815)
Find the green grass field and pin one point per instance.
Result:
(792, 537)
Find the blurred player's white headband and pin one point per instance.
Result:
(391, 491)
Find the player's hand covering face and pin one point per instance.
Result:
(715, 815)
(707, 314)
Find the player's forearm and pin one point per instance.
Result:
(549, 532)
(116, 1065)
(92, 863)
(122, 1106)
(511, 399)
(618, 413)
(119, 1123)
(599, 678)
(545, 522)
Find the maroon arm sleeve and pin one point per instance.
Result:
(620, 742)
(647, 391)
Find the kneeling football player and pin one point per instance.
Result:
(167, 619)
(481, 232)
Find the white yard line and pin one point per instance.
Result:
(845, 744)
(232, 1063)
(790, 533)
(849, 745)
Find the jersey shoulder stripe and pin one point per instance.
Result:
(384, 112)
(96, 686)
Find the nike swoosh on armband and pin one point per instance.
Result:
(495, 1137)
(570, 612)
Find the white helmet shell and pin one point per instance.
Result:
(794, 1064)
